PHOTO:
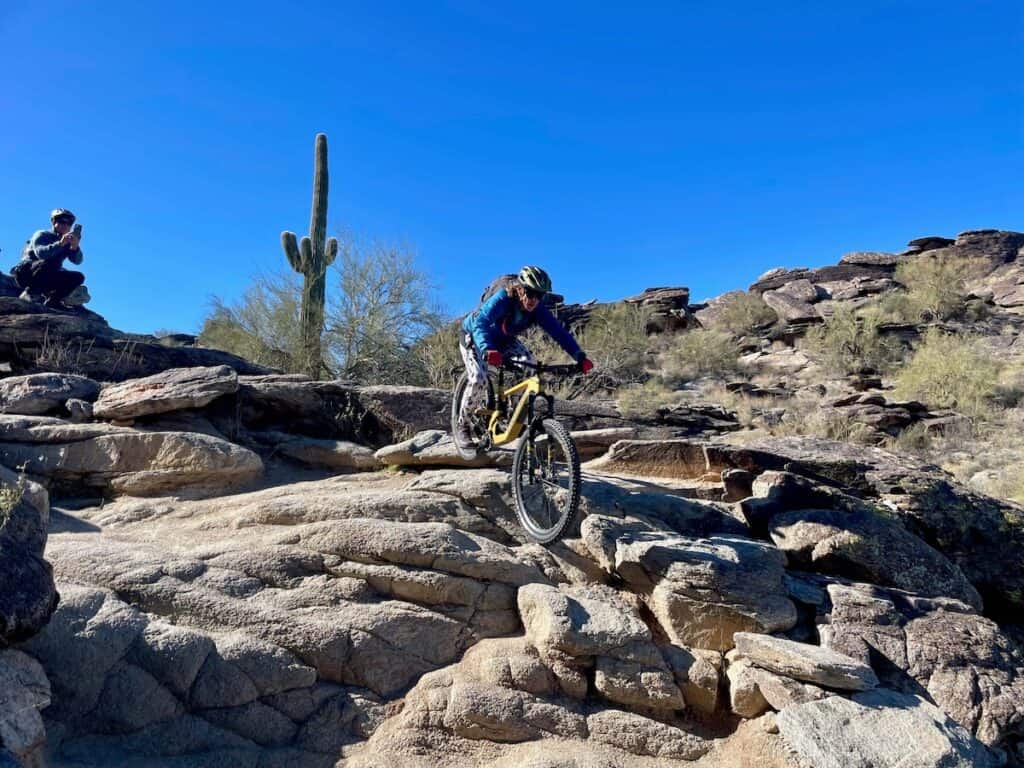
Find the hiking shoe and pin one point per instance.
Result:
(464, 439)
(78, 297)
(27, 295)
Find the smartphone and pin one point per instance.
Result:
(77, 230)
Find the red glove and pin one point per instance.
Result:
(586, 366)
(494, 357)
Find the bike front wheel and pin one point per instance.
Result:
(546, 481)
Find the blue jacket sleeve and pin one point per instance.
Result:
(484, 322)
(554, 328)
(52, 251)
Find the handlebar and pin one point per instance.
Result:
(568, 369)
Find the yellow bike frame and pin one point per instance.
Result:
(526, 387)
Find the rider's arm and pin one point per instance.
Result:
(554, 328)
(485, 329)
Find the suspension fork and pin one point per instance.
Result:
(534, 427)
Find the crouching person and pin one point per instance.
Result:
(41, 274)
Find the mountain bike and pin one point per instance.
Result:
(546, 464)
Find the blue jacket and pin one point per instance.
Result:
(45, 244)
(501, 318)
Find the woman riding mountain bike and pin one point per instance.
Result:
(489, 336)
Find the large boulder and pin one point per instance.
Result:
(42, 393)
(702, 590)
(90, 458)
(173, 390)
(982, 536)
(879, 729)
(938, 648)
(436, 448)
(866, 545)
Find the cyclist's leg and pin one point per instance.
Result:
(476, 373)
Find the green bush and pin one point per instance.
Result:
(951, 372)
(850, 341)
(701, 352)
(935, 285)
(615, 338)
(741, 312)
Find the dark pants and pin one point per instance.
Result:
(47, 279)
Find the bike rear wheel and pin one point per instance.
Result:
(546, 481)
(477, 422)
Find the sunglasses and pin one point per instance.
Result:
(532, 294)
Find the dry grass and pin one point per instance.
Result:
(63, 355)
(693, 354)
(643, 401)
(741, 312)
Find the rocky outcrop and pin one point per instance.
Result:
(43, 393)
(173, 390)
(983, 537)
(939, 649)
(27, 592)
(96, 458)
(879, 728)
(702, 591)
(37, 339)
(24, 691)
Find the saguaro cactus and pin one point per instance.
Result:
(310, 257)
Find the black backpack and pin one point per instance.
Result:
(496, 285)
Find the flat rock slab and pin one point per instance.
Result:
(173, 390)
(138, 463)
(810, 663)
(879, 729)
(41, 393)
(314, 452)
(435, 448)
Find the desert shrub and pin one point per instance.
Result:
(643, 401)
(10, 495)
(438, 353)
(850, 341)
(615, 338)
(952, 372)
(702, 352)
(263, 326)
(895, 307)
(382, 305)
(741, 312)
(935, 285)
(379, 307)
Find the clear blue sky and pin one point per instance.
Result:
(619, 145)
